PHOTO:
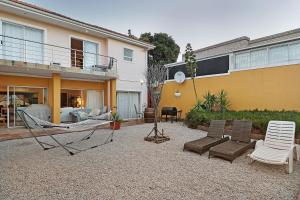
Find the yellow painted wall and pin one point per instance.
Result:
(274, 88)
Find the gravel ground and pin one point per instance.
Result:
(130, 168)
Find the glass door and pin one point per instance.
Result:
(19, 97)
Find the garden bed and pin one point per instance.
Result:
(260, 120)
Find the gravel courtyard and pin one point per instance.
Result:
(130, 168)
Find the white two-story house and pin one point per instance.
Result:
(49, 58)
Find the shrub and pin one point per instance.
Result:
(209, 101)
(260, 119)
(222, 101)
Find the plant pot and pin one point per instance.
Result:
(149, 115)
(117, 125)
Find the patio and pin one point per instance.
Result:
(130, 168)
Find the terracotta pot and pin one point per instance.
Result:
(117, 125)
(149, 115)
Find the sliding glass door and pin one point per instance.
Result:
(90, 54)
(13, 97)
(22, 43)
(126, 102)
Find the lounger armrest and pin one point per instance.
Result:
(259, 143)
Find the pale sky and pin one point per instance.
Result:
(199, 22)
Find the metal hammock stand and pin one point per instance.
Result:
(65, 128)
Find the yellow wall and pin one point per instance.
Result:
(274, 88)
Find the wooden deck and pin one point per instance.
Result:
(20, 132)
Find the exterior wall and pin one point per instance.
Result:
(55, 35)
(130, 73)
(273, 88)
(54, 86)
(222, 48)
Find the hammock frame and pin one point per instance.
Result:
(66, 146)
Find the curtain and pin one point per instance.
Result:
(126, 102)
(258, 57)
(242, 60)
(18, 49)
(90, 55)
(294, 51)
(34, 51)
(278, 54)
(94, 99)
(13, 49)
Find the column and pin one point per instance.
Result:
(113, 95)
(56, 89)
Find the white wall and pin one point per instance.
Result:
(55, 35)
(130, 73)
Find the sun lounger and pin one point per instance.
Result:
(240, 142)
(214, 137)
(278, 146)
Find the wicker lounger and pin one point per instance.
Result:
(240, 142)
(214, 137)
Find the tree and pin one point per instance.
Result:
(156, 75)
(191, 66)
(165, 51)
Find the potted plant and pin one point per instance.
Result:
(116, 125)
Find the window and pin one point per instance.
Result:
(128, 54)
(278, 54)
(294, 51)
(22, 43)
(275, 55)
(258, 57)
(84, 53)
(242, 60)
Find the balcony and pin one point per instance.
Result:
(35, 58)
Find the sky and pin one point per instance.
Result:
(199, 22)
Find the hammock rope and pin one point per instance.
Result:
(31, 122)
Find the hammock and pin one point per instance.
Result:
(91, 125)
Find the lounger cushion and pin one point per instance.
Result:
(241, 130)
(202, 145)
(230, 150)
(270, 155)
(216, 128)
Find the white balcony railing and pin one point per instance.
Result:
(17, 49)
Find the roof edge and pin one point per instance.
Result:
(109, 33)
(223, 43)
(274, 36)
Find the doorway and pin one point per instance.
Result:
(84, 54)
(13, 97)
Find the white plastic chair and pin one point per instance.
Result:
(278, 146)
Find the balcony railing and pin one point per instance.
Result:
(12, 48)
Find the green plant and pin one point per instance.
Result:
(260, 119)
(191, 65)
(210, 101)
(222, 101)
(198, 106)
(166, 50)
(117, 117)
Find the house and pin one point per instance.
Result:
(263, 73)
(49, 58)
